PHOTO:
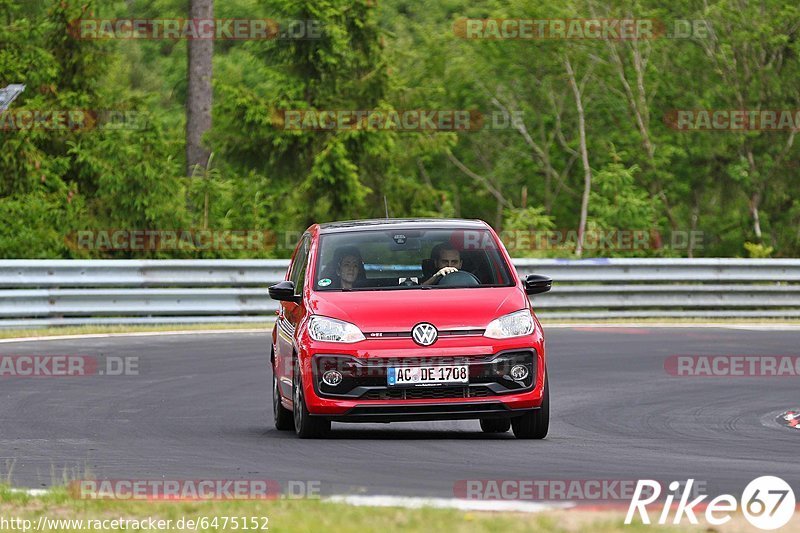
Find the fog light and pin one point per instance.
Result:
(332, 377)
(519, 372)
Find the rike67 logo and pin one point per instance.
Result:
(768, 503)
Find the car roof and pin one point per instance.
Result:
(400, 223)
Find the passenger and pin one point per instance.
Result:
(349, 268)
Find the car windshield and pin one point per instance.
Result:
(410, 258)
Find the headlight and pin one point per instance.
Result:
(515, 324)
(331, 330)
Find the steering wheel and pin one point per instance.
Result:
(461, 278)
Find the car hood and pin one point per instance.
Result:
(400, 310)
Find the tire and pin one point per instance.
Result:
(284, 421)
(305, 425)
(495, 425)
(535, 424)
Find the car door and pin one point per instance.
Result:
(289, 316)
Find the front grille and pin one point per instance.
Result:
(367, 378)
(407, 334)
(427, 393)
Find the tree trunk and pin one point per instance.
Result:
(695, 218)
(755, 201)
(199, 94)
(587, 171)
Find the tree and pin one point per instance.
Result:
(199, 94)
(325, 175)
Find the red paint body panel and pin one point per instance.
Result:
(399, 311)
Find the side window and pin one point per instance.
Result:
(298, 274)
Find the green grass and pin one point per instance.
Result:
(309, 515)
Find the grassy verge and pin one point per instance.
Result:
(298, 516)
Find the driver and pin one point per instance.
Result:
(447, 259)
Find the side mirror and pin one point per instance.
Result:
(284, 291)
(536, 284)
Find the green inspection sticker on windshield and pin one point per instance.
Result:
(324, 282)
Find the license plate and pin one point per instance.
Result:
(427, 375)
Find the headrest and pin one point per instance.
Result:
(428, 268)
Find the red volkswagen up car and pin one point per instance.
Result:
(401, 320)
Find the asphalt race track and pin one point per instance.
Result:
(200, 408)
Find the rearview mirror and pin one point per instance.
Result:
(536, 284)
(284, 291)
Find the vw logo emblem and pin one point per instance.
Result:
(424, 334)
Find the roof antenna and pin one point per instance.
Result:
(386, 206)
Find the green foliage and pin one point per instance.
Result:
(758, 251)
(332, 186)
(617, 202)
(35, 225)
(399, 55)
(528, 218)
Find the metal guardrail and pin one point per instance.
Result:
(65, 292)
(138, 274)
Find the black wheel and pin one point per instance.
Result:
(535, 424)
(495, 425)
(283, 417)
(305, 425)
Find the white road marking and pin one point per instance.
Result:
(449, 503)
(408, 502)
(32, 492)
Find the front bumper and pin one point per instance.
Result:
(366, 379)
(364, 396)
(420, 412)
